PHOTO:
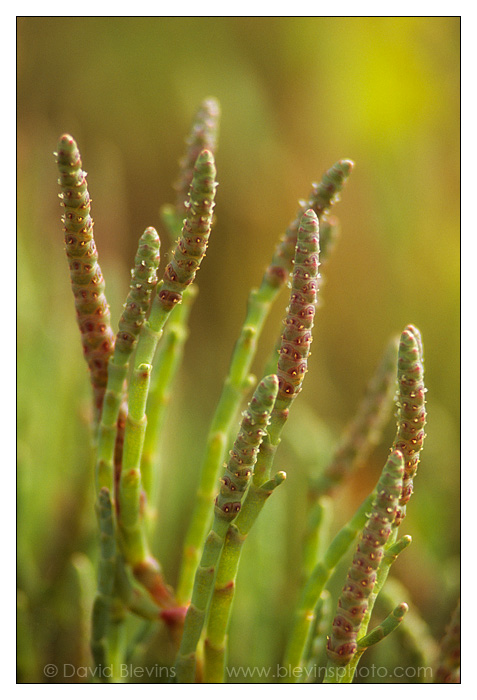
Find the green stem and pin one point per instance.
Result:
(318, 522)
(344, 674)
(291, 369)
(388, 625)
(223, 595)
(203, 135)
(178, 275)
(117, 641)
(166, 364)
(228, 503)
(323, 619)
(411, 418)
(314, 587)
(86, 576)
(106, 572)
(409, 438)
(143, 282)
(392, 550)
(260, 302)
(132, 597)
(232, 394)
(358, 594)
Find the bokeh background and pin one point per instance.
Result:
(297, 94)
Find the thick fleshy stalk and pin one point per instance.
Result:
(411, 410)
(179, 273)
(345, 674)
(329, 230)
(291, 369)
(392, 550)
(237, 382)
(143, 282)
(106, 570)
(228, 503)
(215, 647)
(87, 281)
(318, 521)
(304, 619)
(353, 602)
(324, 612)
(192, 244)
(388, 625)
(296, 338)
(166, 364)
(203, 135)
(322, 197)
(411, 415)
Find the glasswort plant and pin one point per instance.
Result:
(185, 627)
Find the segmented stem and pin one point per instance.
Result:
(203, 135)
(353, 602)
(292, 366)
(304, 621)
(234, 483)
(87, 281)
(388, 625)
(192, 244)
(411, 410)
(411, 417)
(143, 282)
(166, 365)
(259, 304)
(215, 647)
(316, 534)
(322, 196)
(296, 337)
(106, 570)
(179, 273)
(323, 618)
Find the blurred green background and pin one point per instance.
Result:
(297, 94)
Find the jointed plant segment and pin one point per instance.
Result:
(228, 503)
(353, 602)
(411, 410)
(260, 301)
(87, 281)
(292, 365)
(132, 374)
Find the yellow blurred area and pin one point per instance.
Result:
(296, 94)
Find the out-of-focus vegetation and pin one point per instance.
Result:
(297, 94)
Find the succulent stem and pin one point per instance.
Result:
(228, 503)
(179, 274)
(292, 366)
(87, 281)
(260, 301)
